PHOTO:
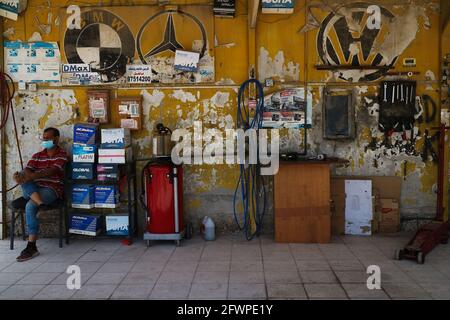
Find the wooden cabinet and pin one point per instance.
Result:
(302, 203)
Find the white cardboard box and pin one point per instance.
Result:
(119, 156)
(118, 136)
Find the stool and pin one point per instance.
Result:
(18, 209)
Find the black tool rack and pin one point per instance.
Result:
(128, 204)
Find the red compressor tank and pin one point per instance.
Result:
(160, 198)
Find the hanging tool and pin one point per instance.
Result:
(428, 146)
(419, 109)
(385, 92)
(393, 93)
(427, 101)
(405, 169)
(402, 97)
(407, 95)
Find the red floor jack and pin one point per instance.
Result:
(436, 232)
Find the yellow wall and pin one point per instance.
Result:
(209, 189)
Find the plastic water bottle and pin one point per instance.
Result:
(209, 229)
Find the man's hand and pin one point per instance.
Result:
(28, 176)
(24, 177)
(17, 178)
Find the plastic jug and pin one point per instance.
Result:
(209, 229)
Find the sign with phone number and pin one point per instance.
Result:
(139, 74)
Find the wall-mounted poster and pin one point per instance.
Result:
(112, 38)
(288, 109)
(33, 61)
(186, 61)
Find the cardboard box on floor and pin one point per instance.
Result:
(383, 188)
(390, 216)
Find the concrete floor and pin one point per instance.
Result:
(228, 268)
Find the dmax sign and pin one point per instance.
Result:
(76, 68)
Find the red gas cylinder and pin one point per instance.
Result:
(160, 198)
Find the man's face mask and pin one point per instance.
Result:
(47, 144)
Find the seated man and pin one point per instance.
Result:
(42, 183)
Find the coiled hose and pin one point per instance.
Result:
(250, 186)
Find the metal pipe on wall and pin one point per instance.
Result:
(305, 67)
(3, 151)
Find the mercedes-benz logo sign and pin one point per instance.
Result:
(169, 41)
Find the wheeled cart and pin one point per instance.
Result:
(424, 241)
(163, 201)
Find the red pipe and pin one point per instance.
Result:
(441, 172)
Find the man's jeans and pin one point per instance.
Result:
(48, 196)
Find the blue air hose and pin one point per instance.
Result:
(251, 184)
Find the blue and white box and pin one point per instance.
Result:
(83, 196)
(108, 172)
(85, 133)
(115, 138)
(117, 225)
(88, 225)
(84, 153)
(278, 6)
(82, 171)
(106, 197)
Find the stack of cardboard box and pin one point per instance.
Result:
(115, 146)
(389, 216)
(386, 193)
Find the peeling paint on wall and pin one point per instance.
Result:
(225, 82)
(183, 96)
(402, 32)
(150, 102)
(220, 99)
(431, 77)
(276, 67)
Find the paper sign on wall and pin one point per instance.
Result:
(33, 61)
(186, 61)
(76, 74)
(139, 73)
